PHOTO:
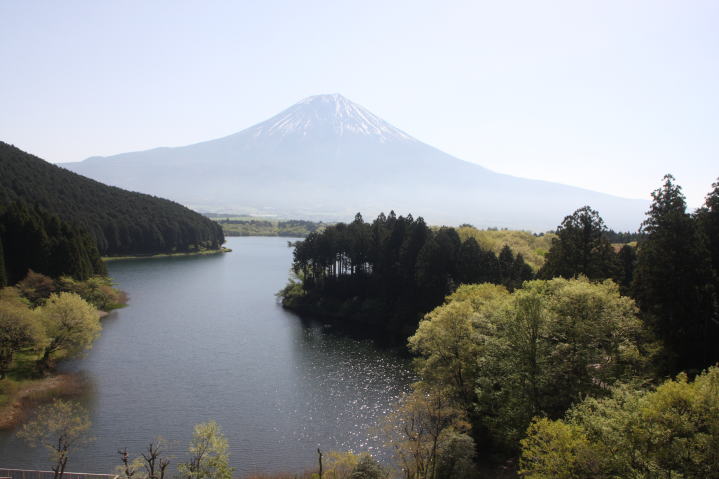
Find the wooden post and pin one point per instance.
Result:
(319, 453)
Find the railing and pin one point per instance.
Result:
(28, 474)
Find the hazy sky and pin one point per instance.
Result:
(607, 95)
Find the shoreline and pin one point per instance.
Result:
(168, 255)
(21, 402)
(26, 394)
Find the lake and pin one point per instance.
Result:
(204, 338)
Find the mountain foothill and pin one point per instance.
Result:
(57, 222)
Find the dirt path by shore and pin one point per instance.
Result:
(36, 392)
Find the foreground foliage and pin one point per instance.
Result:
(59, 427)
(505, 358)
(209, 456)
(670, 432)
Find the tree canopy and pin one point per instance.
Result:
(674, 280)
(71, 324)
(672, 431)
(392, 271)
(504, 358)
(581, 248)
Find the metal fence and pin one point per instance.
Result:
(28, 474)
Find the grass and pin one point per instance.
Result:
(533, 248)
(167, 255)
(21, 375)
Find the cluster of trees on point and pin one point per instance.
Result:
(51, 319)
(391, 271)
(120, 222)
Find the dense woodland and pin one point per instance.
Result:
(391, 271)
(120, 222)
(33, 239)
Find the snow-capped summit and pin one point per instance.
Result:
(329, 114)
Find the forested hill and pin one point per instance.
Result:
(122, 222)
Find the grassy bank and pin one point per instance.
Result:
(24, 387)
(169, 255)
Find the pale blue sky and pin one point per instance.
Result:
(607, 95)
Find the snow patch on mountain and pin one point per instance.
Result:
(329, 114)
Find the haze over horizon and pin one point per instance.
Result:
(570, 93)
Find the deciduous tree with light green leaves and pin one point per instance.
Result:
(71, 325)
(19, 328)
(505, 358)
(418, 431)
(447, 344)
(209, 456)
(672, 432)
(61, 428)
(553, 343)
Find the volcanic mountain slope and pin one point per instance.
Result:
(328, 158)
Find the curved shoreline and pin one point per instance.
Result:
(168, 255)
(24, 399)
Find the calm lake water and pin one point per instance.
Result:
(204, 338)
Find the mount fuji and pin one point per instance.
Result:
(328, 158)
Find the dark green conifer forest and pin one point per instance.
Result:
(390, 272)
(37, 240)
(59, 223)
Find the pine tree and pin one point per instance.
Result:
(708, 218)
(3, 276)
(673, 281)
(581, 248)
(628, 261)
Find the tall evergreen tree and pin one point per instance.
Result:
(3, 276)
(581, 248)
(708, 218)
(506, 264)
(628, 261)
(673, 281)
